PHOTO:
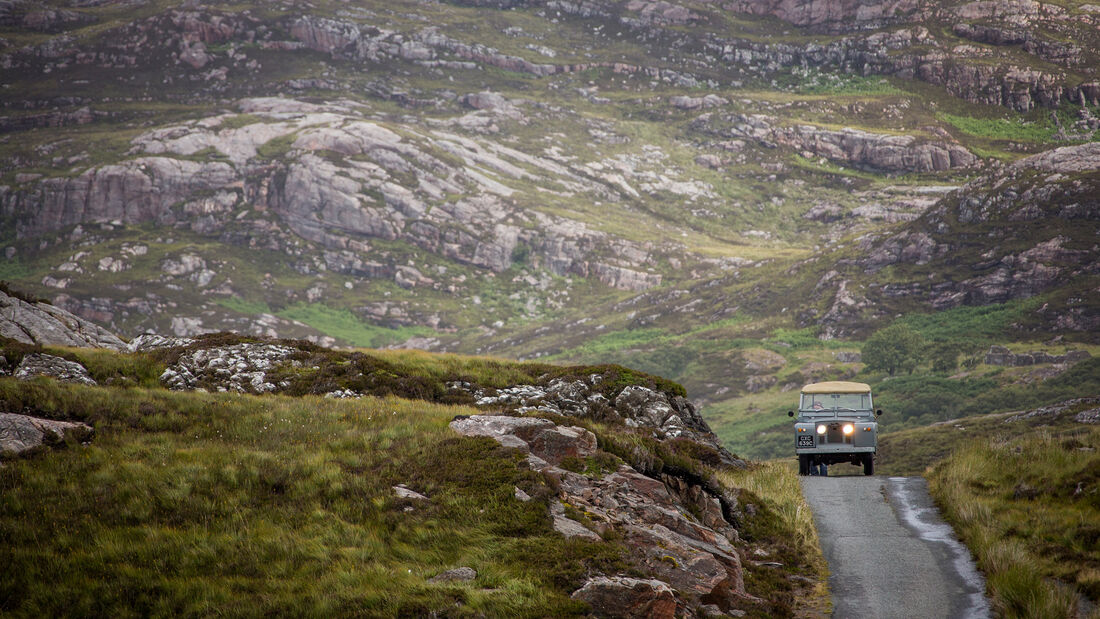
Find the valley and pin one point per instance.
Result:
(740, 197)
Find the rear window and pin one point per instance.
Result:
(836, 401)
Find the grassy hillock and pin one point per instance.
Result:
(192, 503)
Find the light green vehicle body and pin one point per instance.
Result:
(836, 422)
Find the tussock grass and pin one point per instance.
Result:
(785, 521)
(197, 504)
(1028, 507)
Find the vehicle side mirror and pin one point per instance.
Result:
(878, 413)
(790, 413)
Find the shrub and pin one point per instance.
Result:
(893, 349)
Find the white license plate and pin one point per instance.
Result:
(805, 440)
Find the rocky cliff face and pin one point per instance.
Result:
(43, 324)
(340, 204)
(1036, 219)
(887, 153)
(691, 560)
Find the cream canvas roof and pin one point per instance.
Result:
(837, 386)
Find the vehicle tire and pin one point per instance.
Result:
(803, 465)
(868, 464)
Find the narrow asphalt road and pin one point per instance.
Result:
(889, 552)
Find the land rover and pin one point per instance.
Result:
(835, 423)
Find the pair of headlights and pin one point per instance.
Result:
(847, 429)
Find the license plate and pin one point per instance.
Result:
(805, 440)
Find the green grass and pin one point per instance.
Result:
(1000, 128)
(1028, 506)
(219, 504)
(14, 269)
(773, 488)
(344, 325)
(208, 503)
(243, 306)
(925, 398)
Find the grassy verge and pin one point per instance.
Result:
(1028, 507)
(785, 521)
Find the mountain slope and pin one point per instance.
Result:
(687, 188)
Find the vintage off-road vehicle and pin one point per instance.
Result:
(836, 423)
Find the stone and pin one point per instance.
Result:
(882, 152)
(500, 427)
(404, 493)
(239, 367)
(47, 325)
(152, 341)
(643, 405)
(41, 364)
(458, 574)
(756, 384)
(624, 597)
(1091, 415)
(675, 527)
(558, 443)
(572, 529)
(762, 361)
(21, 434)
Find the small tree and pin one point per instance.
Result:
(893, 349)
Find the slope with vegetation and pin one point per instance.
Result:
(198, 502)
(531, 179)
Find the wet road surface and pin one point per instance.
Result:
(889, 552)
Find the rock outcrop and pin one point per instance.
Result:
(692, 557)
(843, 15)
(882, 152)
(453, 210)
(636, 406)
(47, 325)
(1000, 355)
(238, 367)
(21, 434)
(621, 596)
(41, 364)
(1037, 220)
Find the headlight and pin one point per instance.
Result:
(821, 429)
(848, 429)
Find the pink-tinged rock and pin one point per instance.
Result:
(501, 428)
(573, 529)
(20, 433)
(558, 443)
(628, 597)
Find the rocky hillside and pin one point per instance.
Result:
(650, 183)
(580, 490)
